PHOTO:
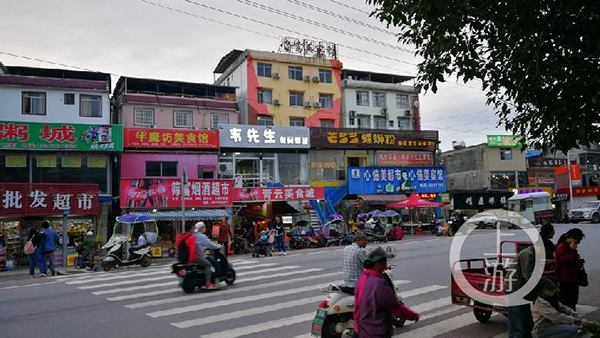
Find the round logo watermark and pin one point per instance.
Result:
(500, 278)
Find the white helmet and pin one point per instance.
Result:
(199, 225)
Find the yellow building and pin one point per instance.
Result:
(283, 88)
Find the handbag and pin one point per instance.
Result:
(216, 230)
(29, 248)
(583, 277)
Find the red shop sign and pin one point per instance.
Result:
(167, 193)
(171, 138)
(278, 194)
(48, 199)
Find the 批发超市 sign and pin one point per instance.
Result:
(243, 136)
(351, 138)
(377, 180)
(503, 141)
(60, 136)
(278, 194)
(48, 199)
(171, 138)
(167, 193)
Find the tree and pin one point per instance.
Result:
(538, 61)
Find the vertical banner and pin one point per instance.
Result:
(576, 175)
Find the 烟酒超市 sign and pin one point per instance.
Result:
(243, 136)
(167, 193)
(60, 136)
(48, 199)
(378, 180)
(171, 138)
(503, 141)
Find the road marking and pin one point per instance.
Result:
(432, 305)
(212, 305)
(86, 275)
(260, 327)
(27, 285)
(244, 313)
(127, 282)
(219, 293)
(450, 309)
(93, 280)
(135, 288)
(246, 267)
(423, 290)
(275, 275)
(268, 270)
(144, 294)
(241, 262)
(439, 328)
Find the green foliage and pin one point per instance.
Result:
(593, 329)
(538, 61)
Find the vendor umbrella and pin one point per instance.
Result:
(414, 202)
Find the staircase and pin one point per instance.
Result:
(315, 222)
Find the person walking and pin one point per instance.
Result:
(568, 265)
(225, 234)
(50, 243)
(37, 238)
(279, 235)
(547, 233)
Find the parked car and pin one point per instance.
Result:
(483, 220)
(588, 211)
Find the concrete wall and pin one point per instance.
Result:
(164, 115)
(494, 163)
(133, 165)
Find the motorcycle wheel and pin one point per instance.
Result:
(108, 265)
(482, 316)
(145, 261)
(230, 277)
(329, 324)
(188, 286)
(398, 322)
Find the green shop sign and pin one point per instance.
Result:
(503, 141)
(60, 136)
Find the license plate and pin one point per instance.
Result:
(317, 324)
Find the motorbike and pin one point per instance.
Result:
(239, 245)
(334, 232)
(123, 230)
(375, 231)
(191, 276)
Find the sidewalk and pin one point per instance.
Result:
(591, 295)
(23, 272)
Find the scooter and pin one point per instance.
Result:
(137, 255)
(335, 314)
(376, 232)
(191, 276)
(121, 237)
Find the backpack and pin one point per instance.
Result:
(184, 252)
(29, 248)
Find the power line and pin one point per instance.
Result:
(350, 7)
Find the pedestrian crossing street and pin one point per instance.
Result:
(268, 299)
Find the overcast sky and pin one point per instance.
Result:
(135, 38)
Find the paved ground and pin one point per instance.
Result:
(273, 297)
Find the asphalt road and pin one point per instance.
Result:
(273, 297)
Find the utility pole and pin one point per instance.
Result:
(184, 183)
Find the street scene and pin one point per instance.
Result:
(299, 168)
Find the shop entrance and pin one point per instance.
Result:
(356, 161)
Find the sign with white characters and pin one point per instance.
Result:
(48, 199)
(278, 194)
(244, 136)
(395, 180)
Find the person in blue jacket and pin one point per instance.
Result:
(50, 244)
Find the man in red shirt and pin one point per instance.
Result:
(225, 233)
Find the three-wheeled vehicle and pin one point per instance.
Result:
(119, 246)
(536, 207)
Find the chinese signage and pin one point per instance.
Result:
(586, 191)
(576, 175)
(376, 180)
(244, 136)
(48, 199)
(427, 196)
(353, 138)
(404, 158)
(60, 136)
(311, 48)
(560, 197)
(278, 194)
(167, 193)
(546, 162)
(528, 190)
(480, 200)
(171, 138)
(503, 141)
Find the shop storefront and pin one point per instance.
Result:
(24, 205)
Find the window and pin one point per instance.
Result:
(326, 123)
(69, 99)
(379, 122)
(206, 172)
(34, 103)
(90, 105)
(295, 73)
(502, 180)
(161, 169)
(182, 119)
(404, 123)
(505, 154)
(402, 101)
(264, 69)
(296, 122)
(325, 76)
(391, 123)
(293, 169)
(265, 120)
(379, 99)
(326, 100)
(265, 96)
(143, 116)
(362, 98)
(297, 99)
(364, 121)
(218, 119)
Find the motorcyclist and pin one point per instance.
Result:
(353, 258)
(202, 243)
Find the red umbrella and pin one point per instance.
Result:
(414, 202)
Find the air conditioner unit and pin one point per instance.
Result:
(276, 76)
(276, 102)
(307, 105)
(317, 105)
(307, 78)
(383, 111)
(407, 112)
(352, 113)
(316, 79)
(225, 168)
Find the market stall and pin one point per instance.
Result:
(414, 202)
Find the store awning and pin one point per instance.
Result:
(190, 215)
(383, 199)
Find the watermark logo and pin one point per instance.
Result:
(500, 278)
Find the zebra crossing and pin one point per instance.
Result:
(268, 299)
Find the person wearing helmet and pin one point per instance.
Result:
(202, 243)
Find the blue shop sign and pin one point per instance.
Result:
(378, 180)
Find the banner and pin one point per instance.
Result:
(48, 199)
(404, 158)
(377, 180)
(576, 175)
(171, 138)
(278, 194)
(503, 141)
(60, 136)
(167, 193)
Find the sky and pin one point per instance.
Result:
(184, 40)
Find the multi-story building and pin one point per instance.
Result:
(57, 152)
(283, 89)
(379, 101)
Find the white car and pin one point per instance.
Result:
(588, 211)
(483, 220)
